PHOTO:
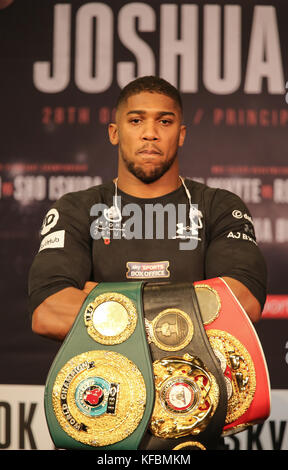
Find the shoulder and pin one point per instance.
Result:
(220, 208)
(213, 196)
(199, 189)
(75, 207)
(84, 199)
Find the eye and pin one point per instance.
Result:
(135, 121)
(166, 122)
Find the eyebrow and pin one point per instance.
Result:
(142, 111)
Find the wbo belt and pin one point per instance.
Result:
(153, 366)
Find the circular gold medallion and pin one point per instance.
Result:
(209, 302)
(111, 318)
(171, 330)
(239, 372)
(187, 396)
(99, 397)
(179, 395)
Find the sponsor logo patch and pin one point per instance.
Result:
(53, 240)
(155, 269)
(50, 220)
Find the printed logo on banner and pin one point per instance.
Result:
(270, 435)
(22, 418)
(264, 48)
(276, 306)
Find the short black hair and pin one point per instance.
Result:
(152, 84)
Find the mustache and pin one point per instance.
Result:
(150, 148)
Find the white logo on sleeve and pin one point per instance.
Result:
(53, 240)
(50, 220)
(237, 214)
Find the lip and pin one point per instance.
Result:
(149, 152)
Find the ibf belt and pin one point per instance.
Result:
(238, 349)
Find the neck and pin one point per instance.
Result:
(129, 184)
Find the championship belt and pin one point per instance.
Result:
(100, 388)
(239, 351)
(156, 366)
(190, 393)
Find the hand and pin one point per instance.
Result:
(89, 286)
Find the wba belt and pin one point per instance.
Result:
(156, 366)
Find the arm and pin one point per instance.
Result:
(234, 255)
(248, 301)
(57, 277)
(54, 317)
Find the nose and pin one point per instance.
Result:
(150, 132)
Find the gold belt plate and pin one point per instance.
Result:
(171, 330)
(209, 302)
(187, 396)
(238, 369)
(111, 318)
(99, 397)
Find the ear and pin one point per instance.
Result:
(182, 135)
(113, 134)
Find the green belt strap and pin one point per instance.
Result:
(77, 342)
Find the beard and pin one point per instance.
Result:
(151, 175)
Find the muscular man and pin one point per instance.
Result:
(73, 255)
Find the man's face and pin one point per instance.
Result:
(148, 131)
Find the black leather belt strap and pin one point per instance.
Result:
(157, 298)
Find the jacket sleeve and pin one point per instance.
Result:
(64, 256)
(232, 248)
